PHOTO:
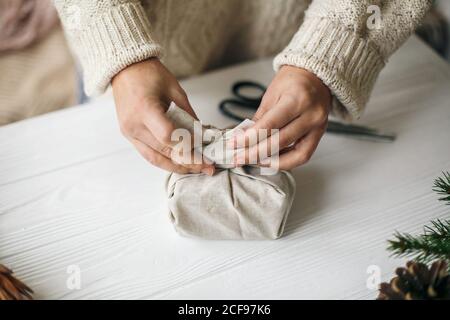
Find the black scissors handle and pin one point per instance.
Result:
(242, 100)
(242, 85)
(224, 104)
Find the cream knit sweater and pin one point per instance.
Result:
(333, 39)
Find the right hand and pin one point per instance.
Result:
(142, 93)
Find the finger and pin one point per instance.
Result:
(157, 159)
(180, 98)
(194, 162)
(159, 124)
(299, 153)
(267, 101)
(292, 132)
(145, 136)
(302, 150)
(275, 118)
(279, 115)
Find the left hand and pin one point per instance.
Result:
(297, 103)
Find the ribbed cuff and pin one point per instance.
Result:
(113, 41)
(348, 64)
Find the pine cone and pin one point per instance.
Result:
(12, 288)
(417, 282)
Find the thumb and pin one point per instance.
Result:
(179, 97)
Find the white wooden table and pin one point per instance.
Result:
(75, 194)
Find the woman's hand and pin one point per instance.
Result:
(142, 94)
(297, 103)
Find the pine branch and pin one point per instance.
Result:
(433, 244)
(442, 187)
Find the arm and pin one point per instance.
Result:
(342, 44)
(107, 36)
(112, 40)
(338, 50)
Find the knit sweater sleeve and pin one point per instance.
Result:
(346, 43)
(107, 36)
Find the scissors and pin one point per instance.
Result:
(251, 103)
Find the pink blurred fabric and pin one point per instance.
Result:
(23, 22)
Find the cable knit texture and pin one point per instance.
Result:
(333, 39)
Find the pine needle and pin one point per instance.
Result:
(433, 244)
(442, 187)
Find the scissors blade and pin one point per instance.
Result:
(360, 132)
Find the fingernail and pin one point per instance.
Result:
(208, 171)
